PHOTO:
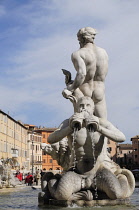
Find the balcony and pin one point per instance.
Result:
(14, 153)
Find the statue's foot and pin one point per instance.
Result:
(82, 195)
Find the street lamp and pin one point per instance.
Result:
(32, 136)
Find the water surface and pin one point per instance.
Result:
(27, 198)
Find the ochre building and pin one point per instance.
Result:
(47, 162)
(13, 141)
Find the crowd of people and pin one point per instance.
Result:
(28, 178)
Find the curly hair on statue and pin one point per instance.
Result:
(86, 34)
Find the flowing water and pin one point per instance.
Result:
(26, 198)
(91, 132)
(73, 147)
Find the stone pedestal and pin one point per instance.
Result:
(64, 203)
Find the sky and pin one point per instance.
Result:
(37, 38)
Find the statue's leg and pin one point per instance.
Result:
(114, 186)
(101, 109)
(99, 100)
(127, 181)
(68, 187)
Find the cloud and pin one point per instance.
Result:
(38, 43)
(2, 11)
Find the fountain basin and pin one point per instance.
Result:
(82, 203)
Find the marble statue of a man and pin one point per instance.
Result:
(91, 64)
(89, 163)
(80, 142)
(83, 143)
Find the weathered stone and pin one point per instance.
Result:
(7, 179)
(80, 143)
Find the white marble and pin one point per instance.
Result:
(80, 143)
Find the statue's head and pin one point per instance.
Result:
(85, 104)
(86, 35)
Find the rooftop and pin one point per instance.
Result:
(125, 146)
(135, 137)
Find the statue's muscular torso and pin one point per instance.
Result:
(84, 149)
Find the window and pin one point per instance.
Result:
(108, 141)
(57, 168)
(130, 161)
(43, 153)
(5, 147)
(51, 160)
(5, 119)
(109, 149)
(25, 153)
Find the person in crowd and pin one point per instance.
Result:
(37, 177)
(29, 179)
(19, 175)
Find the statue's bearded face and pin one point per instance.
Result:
(86, 105)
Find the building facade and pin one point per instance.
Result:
(20, 143)
(125, 155)
(112, 149)
(47, 162)
(34, 149)
(135, 145)
(13, 141)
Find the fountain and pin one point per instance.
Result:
(79, 145)
(7, 179)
